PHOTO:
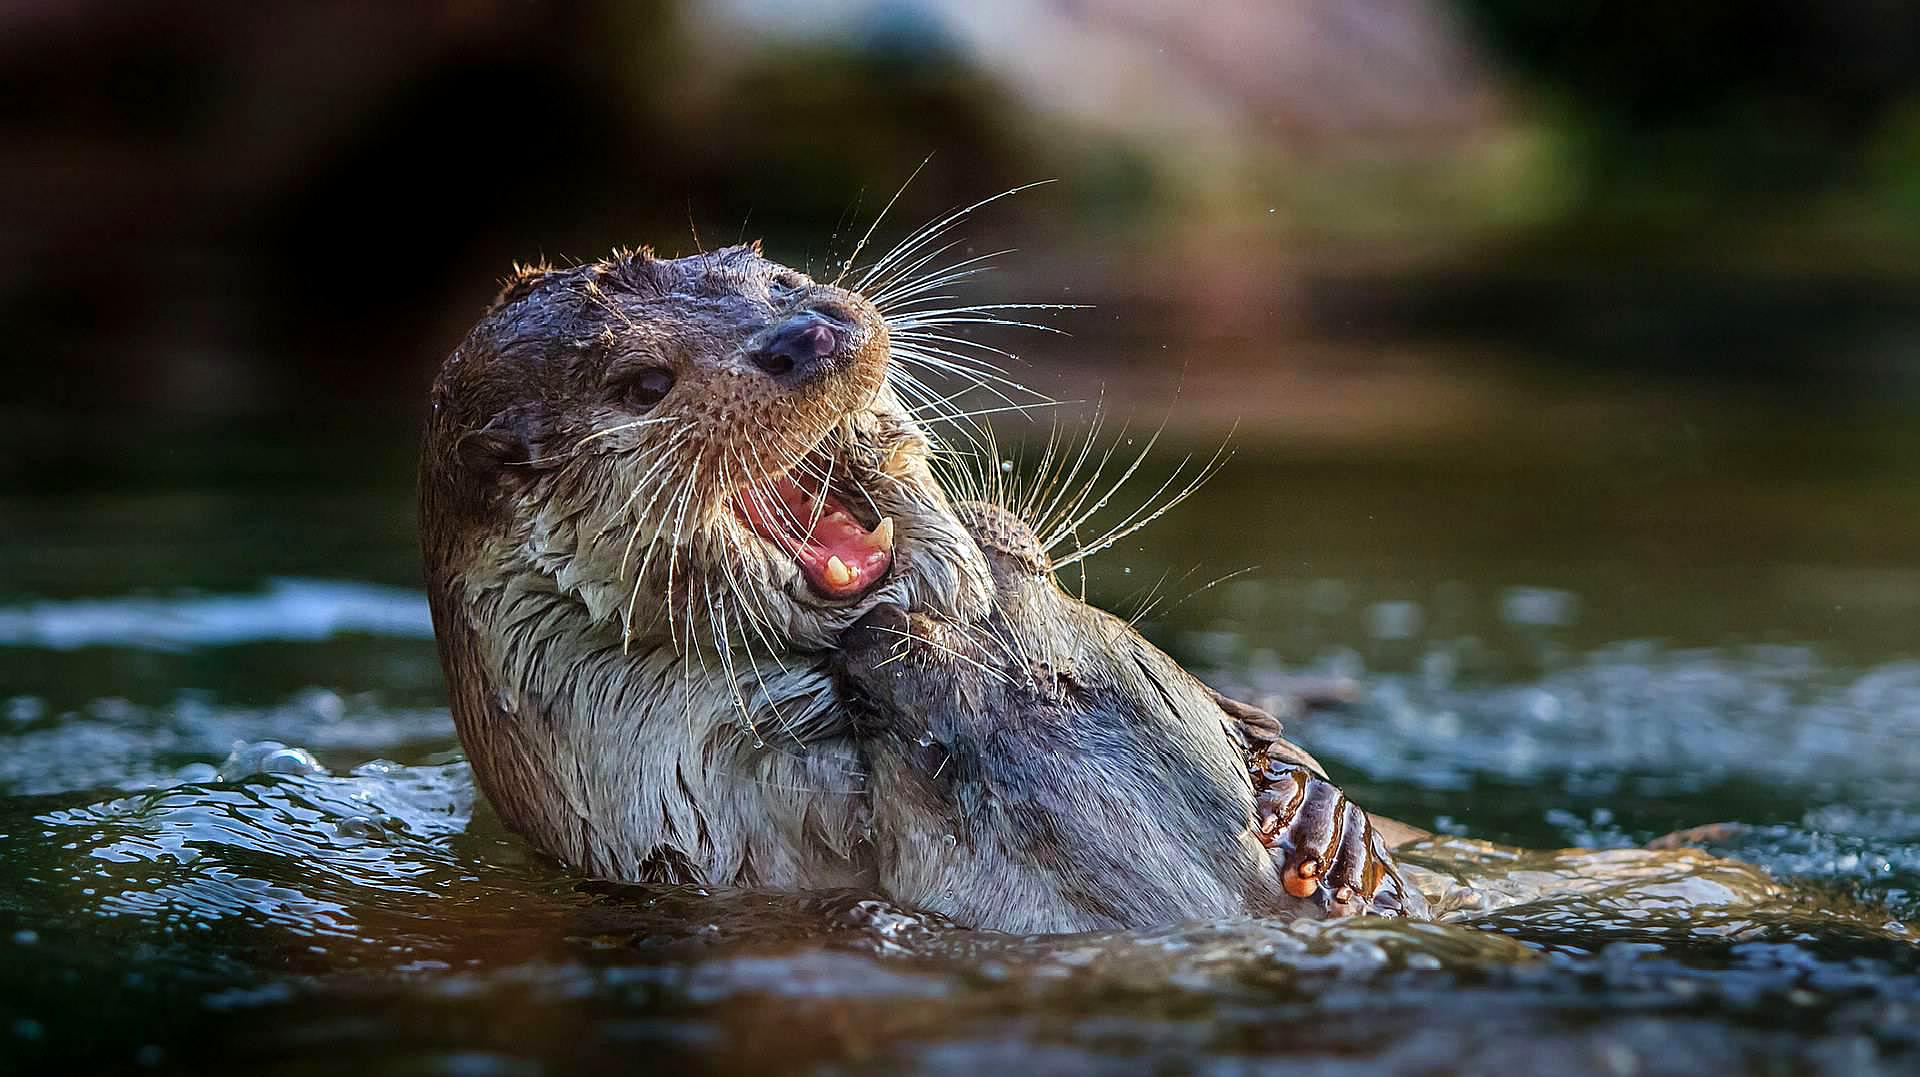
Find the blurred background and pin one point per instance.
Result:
(1663, 265)
(213, 213)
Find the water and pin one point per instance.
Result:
(236, 832)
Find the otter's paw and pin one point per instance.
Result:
(1328, 854)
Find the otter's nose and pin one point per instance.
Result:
(798, 349)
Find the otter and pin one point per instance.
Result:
(1045, 769)
(653, 493)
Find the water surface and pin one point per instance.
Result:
(236, 831)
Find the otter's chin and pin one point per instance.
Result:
(841, 555)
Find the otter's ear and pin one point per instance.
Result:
(509, 441)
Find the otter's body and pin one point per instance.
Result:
(653, 493)
(1047, 769)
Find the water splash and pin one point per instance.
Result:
(117, 744)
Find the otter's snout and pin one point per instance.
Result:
(800, 349)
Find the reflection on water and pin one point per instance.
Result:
(236, 833)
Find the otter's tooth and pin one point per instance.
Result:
(838, 573)
(881, 537)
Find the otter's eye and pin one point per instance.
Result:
(646, 388)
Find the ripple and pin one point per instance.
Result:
(297, 610)
(301, 899)
(303, 850)
(1772, 714)
(117, 744)
(1631, 741)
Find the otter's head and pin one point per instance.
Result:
(704, 451)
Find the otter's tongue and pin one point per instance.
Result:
(839, 557)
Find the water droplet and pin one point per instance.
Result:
(268, 757)
(358, 827)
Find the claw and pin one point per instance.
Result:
(1301, 879)
(1325, 847)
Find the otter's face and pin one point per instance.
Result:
(703, 450)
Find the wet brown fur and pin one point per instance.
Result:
(1047, 769)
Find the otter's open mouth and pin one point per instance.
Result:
(841, 557)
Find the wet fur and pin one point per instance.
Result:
(1047, 769)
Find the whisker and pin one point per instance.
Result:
(903, 276)
(1078, 516)
(931, 407)
(673, 556)
(987, 382)
(916, 319)
(847, 266)
(1208, 586)
(1064, 517)
(666, 454)
(950, 652)
(634, 425)
(939, 353)
(928, 232)
(903, 287)
(717, 621)
(1140, 517)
